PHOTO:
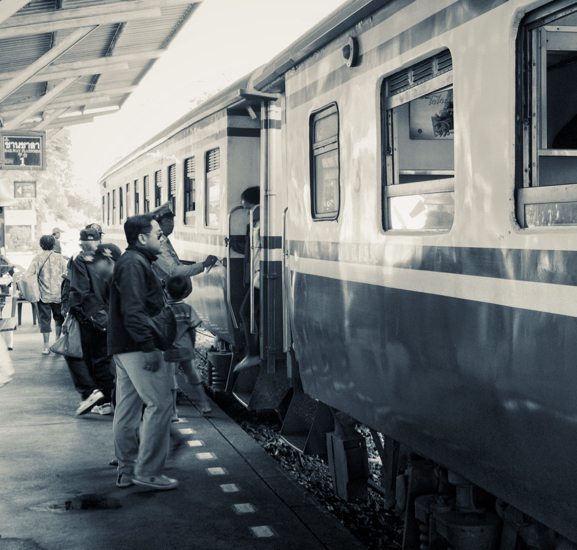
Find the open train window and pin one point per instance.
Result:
(418, 152)
(547, 69)
(157, 188)
(325, 185)
(136, 198)
(189, 190)
(172, 186)
(212, 195)
(146, 194)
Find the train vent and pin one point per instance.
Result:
(190, 167)
(213, 160)
(420, 72)
(172, 179)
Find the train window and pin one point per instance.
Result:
(108, 208)
(103, 211)
(172, 186)
(325, 186)
(547, 179)
(126, 199)
(113, 206)
(120, 204)
(136, 198)
(212, 195)
(189, 189)
(418, 152)
(146, 194)
(157, 188)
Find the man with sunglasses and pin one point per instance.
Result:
(142, 379)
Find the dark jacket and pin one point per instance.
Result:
(89, 293)
(135, 295)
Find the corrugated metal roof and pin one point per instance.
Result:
(41, 47)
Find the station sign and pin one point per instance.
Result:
(23, 150)
(24, 189)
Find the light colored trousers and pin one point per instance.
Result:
(136, 387)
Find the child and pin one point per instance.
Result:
(182, 351)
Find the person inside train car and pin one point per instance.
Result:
(141, 375)
(48, 266)
(168, 263)
(88, 303)
(250, 198)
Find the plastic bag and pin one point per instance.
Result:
(69, 343)
(6, 368)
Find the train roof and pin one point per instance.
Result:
(63, 62)
(264, 81)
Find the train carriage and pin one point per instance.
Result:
(418, 171)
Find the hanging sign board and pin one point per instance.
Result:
(23, 150)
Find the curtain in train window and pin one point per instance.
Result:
(212, 195)
(189, 189)
(136, 198)
(325, 185)
(172, 186)
(548, 196)
(157, 188)
(419, 156)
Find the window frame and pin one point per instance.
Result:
(136, 197)
(120, 204)
(189, 190)
(391, 173)
(157, 188)
(146, 184)
(537, 29)
(319, 148)
(171, 187)
(209, 174)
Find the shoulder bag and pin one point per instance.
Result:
(28, 285)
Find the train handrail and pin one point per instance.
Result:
(285, 307)
(253, 325)
(228, 299)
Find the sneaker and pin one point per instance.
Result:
(105, 408)
(95, 398)
(161, 483)
(123, 481)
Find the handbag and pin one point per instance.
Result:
(69, 343)
(28, 285)
(163, 328)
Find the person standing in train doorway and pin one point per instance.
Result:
(136, 296)
(168, 263)
(249, 199)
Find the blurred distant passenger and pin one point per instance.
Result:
(88, 301)
(97, 227)
(141, 375)
(56, 232)
(48, 266)
(250, 198)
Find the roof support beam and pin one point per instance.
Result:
(50, 117)
(85, 71)
(43, 61)
(38, 105)
(74, 18)
(9, 7)
(74, 99)
(96, 64)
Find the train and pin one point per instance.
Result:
(418, 221)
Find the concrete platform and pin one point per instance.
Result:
(58, 492)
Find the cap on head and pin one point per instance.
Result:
(56, 230)
(89, 235)
(107, 250)
(95, 226)
(163, 211)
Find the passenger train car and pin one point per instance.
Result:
(417, 161)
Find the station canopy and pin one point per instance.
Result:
(64, 62)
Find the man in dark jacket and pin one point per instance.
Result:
(141, 375)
